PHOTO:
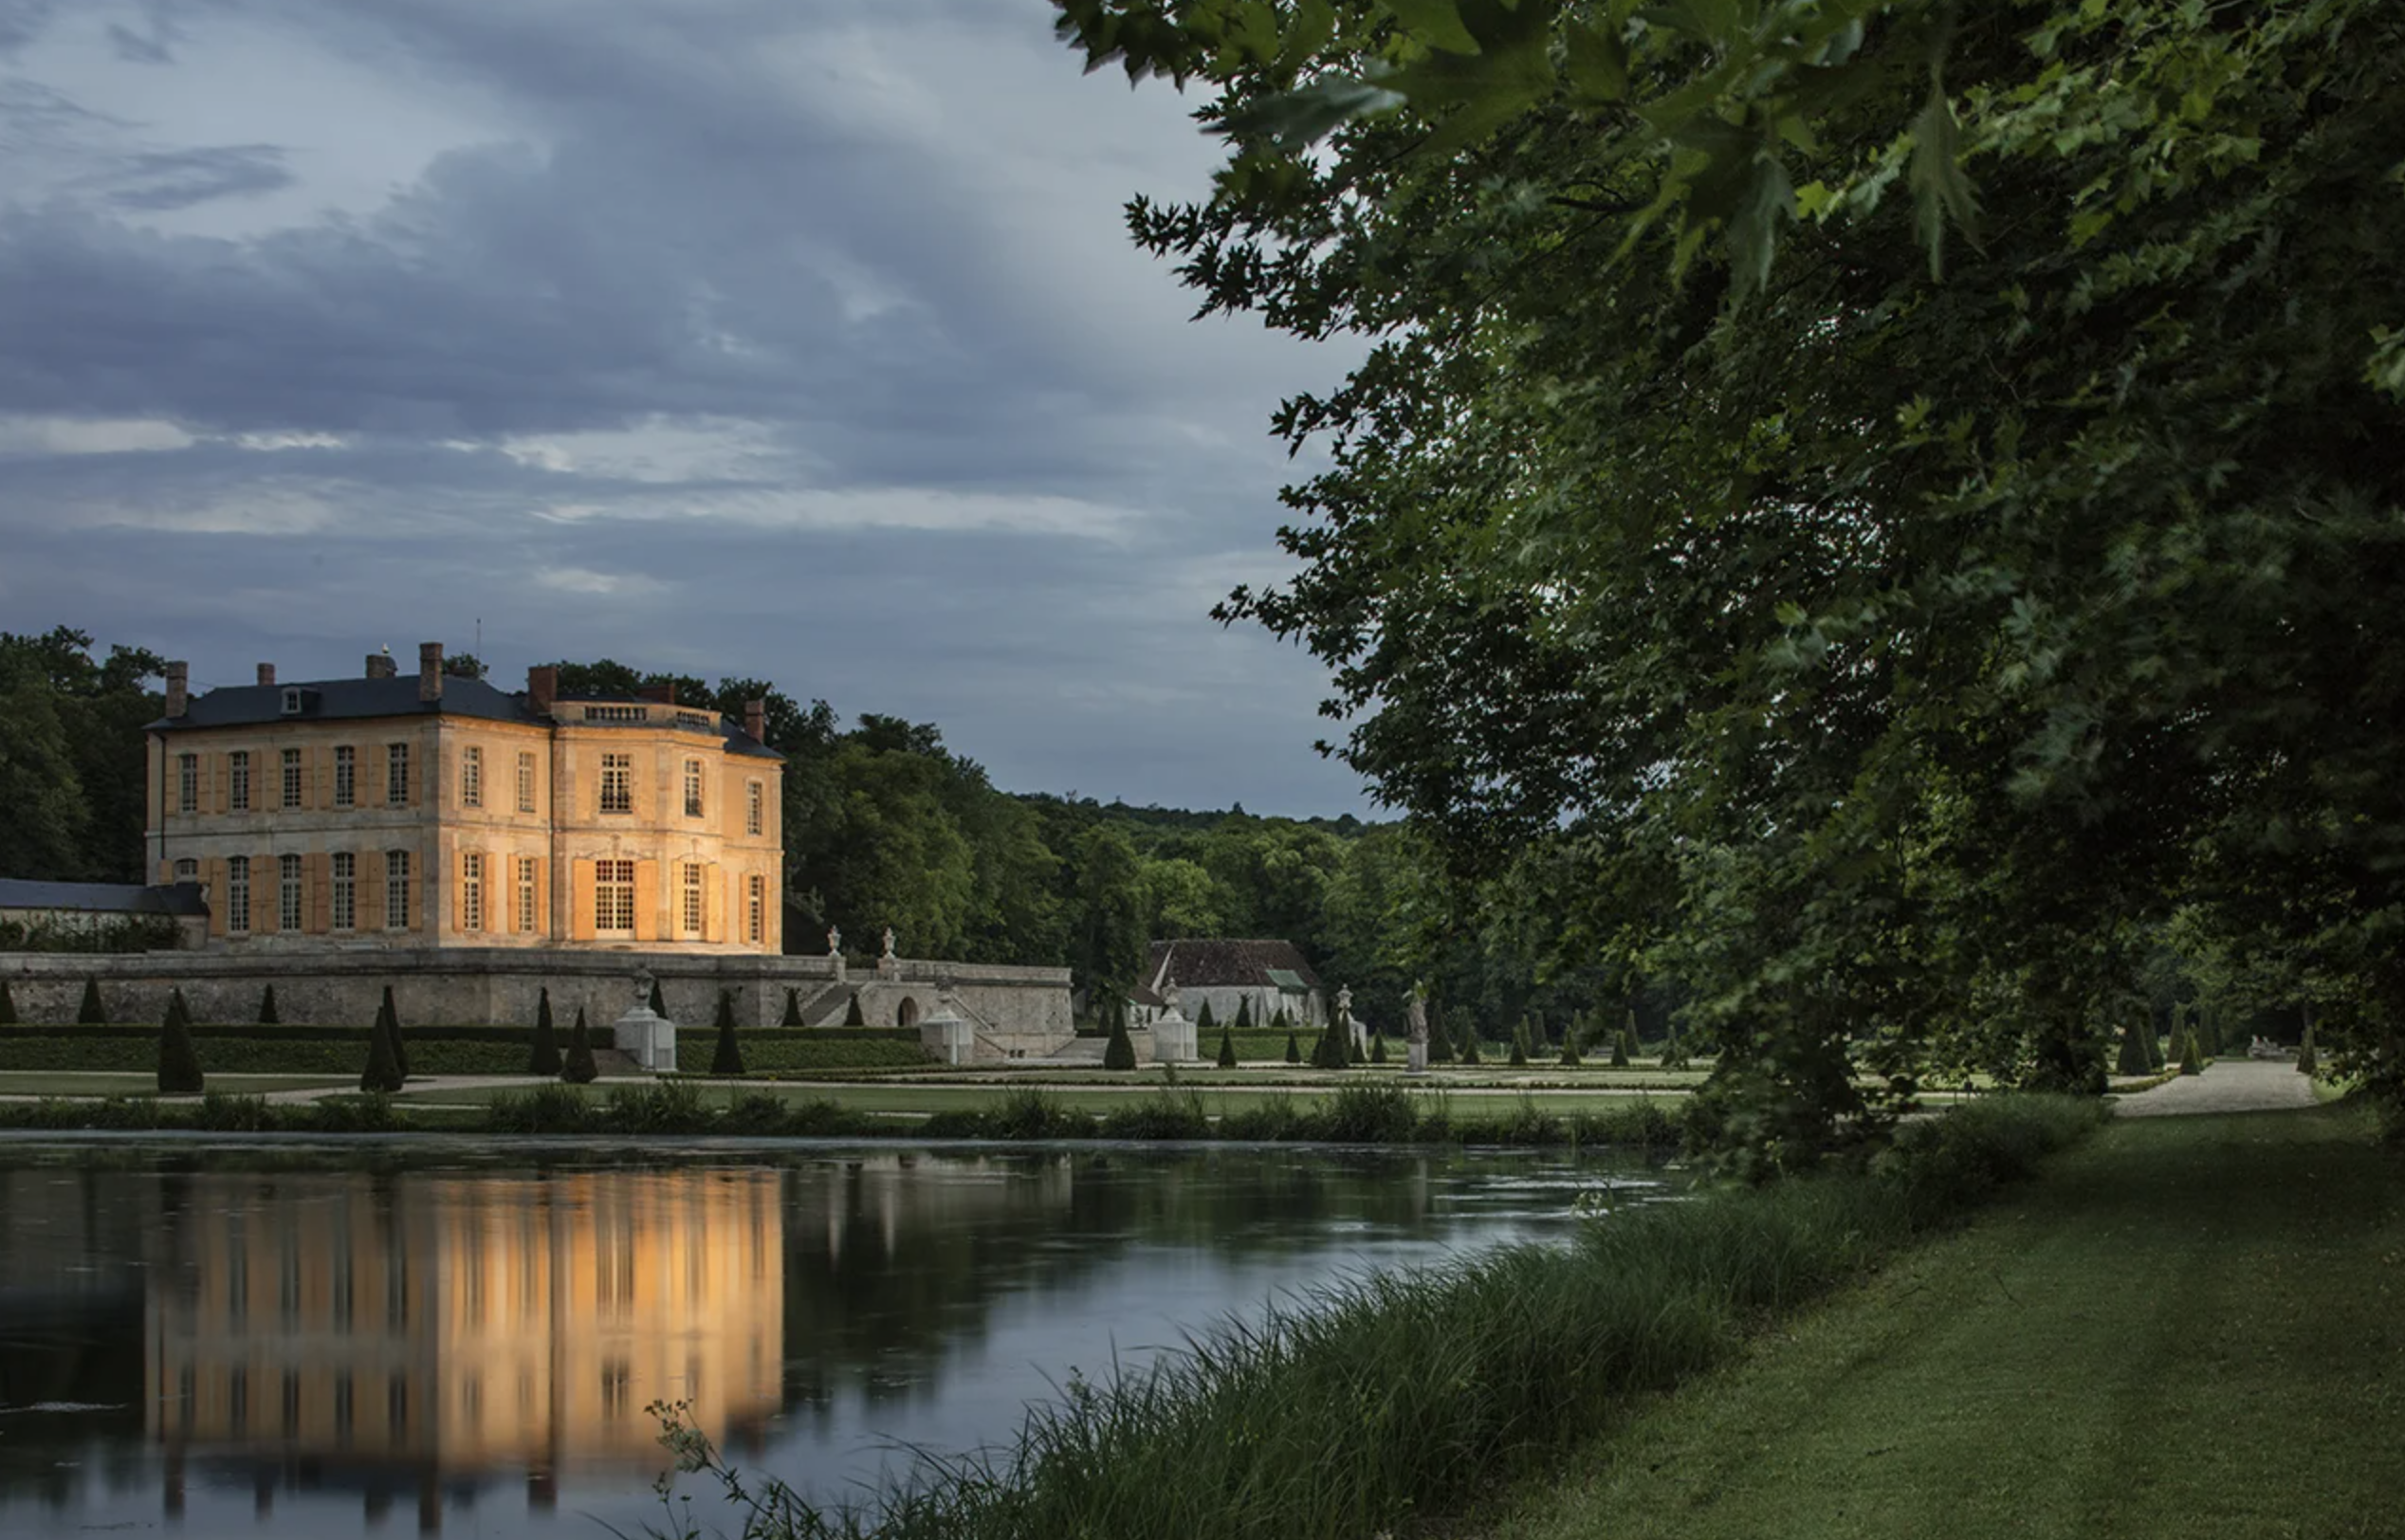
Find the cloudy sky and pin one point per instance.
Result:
(798, 338)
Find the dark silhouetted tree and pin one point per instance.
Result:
(178, 1063)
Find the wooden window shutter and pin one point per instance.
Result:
(580, 900)
(318, 870)
(647, 901)
(714, 918)
(212, 872)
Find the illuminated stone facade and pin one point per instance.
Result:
(441, 811)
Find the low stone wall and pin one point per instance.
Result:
(1020, 1008)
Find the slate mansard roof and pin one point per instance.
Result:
(338, 699)
(181, 898)
(1223, 965)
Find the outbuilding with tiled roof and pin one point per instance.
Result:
(1271, 975)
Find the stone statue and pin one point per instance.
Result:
(1169, 999)
(835, 940)
(643, 989)
(889, 941)
(1418, 1013)
(1344, 1003)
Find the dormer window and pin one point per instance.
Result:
(292, 700)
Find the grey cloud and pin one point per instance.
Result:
(179, 179)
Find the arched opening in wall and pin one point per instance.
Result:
(907, 1014)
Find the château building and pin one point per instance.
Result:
(441, 811)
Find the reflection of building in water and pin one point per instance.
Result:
(458, 1326)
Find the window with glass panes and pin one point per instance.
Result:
(396, 774)
(238, 894)
(526, 782)
(693, 905)
(238, 781)
(187, 782)
(344, 891)
(755, 803)
(614, 896)
(528, 888)
(692, 788)
(755, 908)
(397, 890)
(287, 892)
(617, 783)
(291, 787)
(471, 890)
(471, 778)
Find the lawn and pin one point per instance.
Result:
(900, 1097)
(2189, 1327)
(145, 1083)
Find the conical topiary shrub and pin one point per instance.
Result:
(7, 1006)
(2308, 1062)
(852, 1015)
(579, 1068)
(392, 1029)
(1673, 1053)
(728, 1059)
(1519, 1044)
(1227, 1051)
(659, 1002)
(1294, 1050)
(1377, 1047)
(2191, 1053)
(1440, 1036)
(2133, 1057)
(268, 1016)
(1202, 1022)
(1621, 1056)
(91, 1012)
(383, 1070)
(1120, 1052)
(792, 1009)
(1335, 1049)
(545, 1058)
(1244, 1013)
(178, 1063)
(1569, 1045)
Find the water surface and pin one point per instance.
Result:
(276, 1340)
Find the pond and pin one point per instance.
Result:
(301, 1340)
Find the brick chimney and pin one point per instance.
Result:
(380, 665)
(430, 671)
(542, 686)
(756, 720)
(267, 674)
(179, 676)
(656, 694)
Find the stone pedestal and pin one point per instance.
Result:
(648, 1038)
(1418, 1063)
(951, 1039)
(1173, 1040)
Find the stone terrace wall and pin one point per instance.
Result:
(1025, 1008)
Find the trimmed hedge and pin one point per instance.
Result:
(255, 1050)
(807, 1048)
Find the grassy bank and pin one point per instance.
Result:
(1399, 1397)
(1357, 1112)
(2191, 1329)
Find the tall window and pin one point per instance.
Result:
(693, 905)
(471, 778)
(397, 890)
(346, 775)
(755, 908)
(291, 777)
(345, 892)
(237, 895)
(754, 814)
(238, 781)
(472, 892)
(287, 892)
(692, 788)
(527, 890)
(396, 775)
(187, 782)
(526, 782)
(617, 783)
(614, 896)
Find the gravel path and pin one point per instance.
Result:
(2230, 1085)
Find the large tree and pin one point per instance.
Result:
(1916, 483)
